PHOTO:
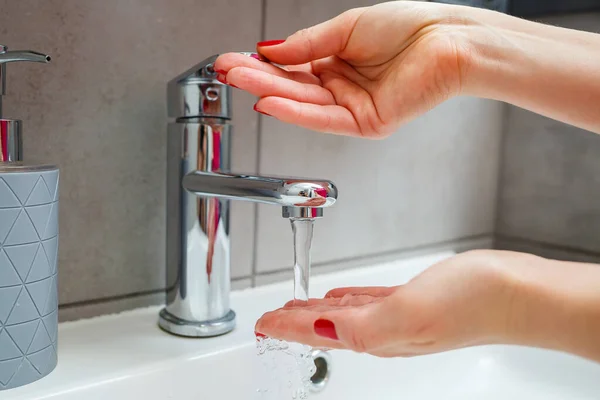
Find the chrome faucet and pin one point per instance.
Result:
(199, 187)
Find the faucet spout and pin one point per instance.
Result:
(298, 197)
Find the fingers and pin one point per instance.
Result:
(360, 103)
(299, 73)
(349, 300)
(320, 41)
(362, 329)
(376, 291)
(322, 118)
(294, 325)
(264, 84)
(311, 302)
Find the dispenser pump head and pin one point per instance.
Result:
(11, 141)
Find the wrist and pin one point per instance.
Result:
(549, 70)
(483, 49)
(556, 306)
(493, 55)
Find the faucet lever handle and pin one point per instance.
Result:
(196, 93)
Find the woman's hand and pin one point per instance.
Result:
(463, 301)
(369, 70)
(475, 298)
(363, 73)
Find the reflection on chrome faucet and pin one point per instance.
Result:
(199, 187)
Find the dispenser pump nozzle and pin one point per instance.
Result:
(11, 144)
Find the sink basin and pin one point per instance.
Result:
(490, 373)
(126, 356)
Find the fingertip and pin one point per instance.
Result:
(228, 61)
(333, 293)
(290, 303)
(270, 43)
(225, 62)
(258, 109)
(259, 335)
(260, 324)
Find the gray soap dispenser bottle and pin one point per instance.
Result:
(28, 252)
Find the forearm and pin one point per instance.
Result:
(548, 70)
(557, 306)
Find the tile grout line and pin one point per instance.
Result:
(398, 252)
(365, 258)
(255, 274)
(549, 246)
(501, 161)
(92, 302)
(127, 296)
(259, 126)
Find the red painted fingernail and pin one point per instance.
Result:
(259, 335)
(222, 78)
(267, 43)
(255, 56)
(260, 111)
(325, 328)
(221, 71)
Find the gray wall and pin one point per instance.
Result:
(549, 201)
(98, 111)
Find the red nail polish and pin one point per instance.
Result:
(267, 43)
(325, 328)
(259, 335)
(222, 78)
(221, 71)
(262, 112)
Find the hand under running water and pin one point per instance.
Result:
(463, 301)
(478, 297)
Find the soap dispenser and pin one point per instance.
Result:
(28, 252)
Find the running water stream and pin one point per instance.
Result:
(289, 366)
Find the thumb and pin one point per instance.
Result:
(361, 329)
(323, 40)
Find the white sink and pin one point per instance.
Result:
(127, 357)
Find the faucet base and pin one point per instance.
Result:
(171, 324)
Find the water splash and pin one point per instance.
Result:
(289, 366)
(287, 369)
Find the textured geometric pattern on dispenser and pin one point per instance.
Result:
(28, 276)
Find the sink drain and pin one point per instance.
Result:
(320, 378)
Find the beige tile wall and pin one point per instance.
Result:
(550, 180)
(98, 111)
